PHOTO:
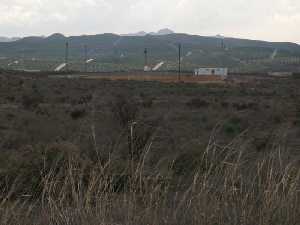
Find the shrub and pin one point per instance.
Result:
(147, 102)
(124, 109)
(32, 99)
(78, 112)
(30, 163)
(10, 116)
(85, 99)
(261, 143)
(233, 126)
(240, 106)
(141, 136)
(225, 105)
(197, 103)
(11, 98)
(186, 163)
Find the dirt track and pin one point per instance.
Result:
(161, 78)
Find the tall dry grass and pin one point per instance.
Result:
(227, 187)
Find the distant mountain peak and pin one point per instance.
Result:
(7, 39)
(141, 33)
(56, 36)
(219, 36)
(164, 31)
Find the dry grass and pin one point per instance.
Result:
(226, 188)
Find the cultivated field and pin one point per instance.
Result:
(112, 151)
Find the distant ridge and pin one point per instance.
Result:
(56, 36)
(7, 39)
(164, 31)
(141, 33)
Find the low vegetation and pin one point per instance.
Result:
(77, 151)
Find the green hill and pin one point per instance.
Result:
(126, 52)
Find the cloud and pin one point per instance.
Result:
(269, 19)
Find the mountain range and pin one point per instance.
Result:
(7, 39)
(127, 51)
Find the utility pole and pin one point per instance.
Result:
(67, 56)
(146, 59)
(179, 62)
(85, 58)
(23, 60)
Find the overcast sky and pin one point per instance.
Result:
(274, 20)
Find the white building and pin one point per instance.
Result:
(211, 71)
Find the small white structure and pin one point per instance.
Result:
(60, 67)
(155, 68)
(211, 72)
(147, 69)
(14, 62)
(89, 61)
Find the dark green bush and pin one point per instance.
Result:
(78, 112)
(197, 103)
(232, 127)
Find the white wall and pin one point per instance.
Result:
(211, 71)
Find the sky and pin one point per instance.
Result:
(272, 20)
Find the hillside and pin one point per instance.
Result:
(127, 51)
